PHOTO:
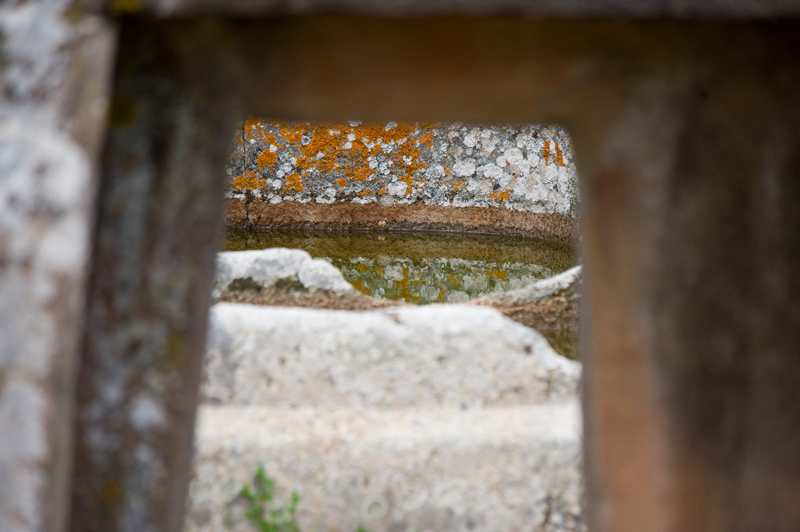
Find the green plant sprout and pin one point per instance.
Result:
(260, 497)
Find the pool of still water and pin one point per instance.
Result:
(422, 268)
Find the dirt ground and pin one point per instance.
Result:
(557, 319)
(323, 299)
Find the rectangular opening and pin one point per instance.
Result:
(333, 364)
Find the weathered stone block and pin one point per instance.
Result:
(526, 168)
(442, 355)
(257, 269)
(418, 418)
(514, 469)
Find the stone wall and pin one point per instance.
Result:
(527, 168)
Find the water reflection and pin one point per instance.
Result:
(423, 268)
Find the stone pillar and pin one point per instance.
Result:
(692, 246)
(159, 225)
(55, 63)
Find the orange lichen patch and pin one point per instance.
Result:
(548, 155)
(453, 279)
(293, 182)
(327, 148)
(254, 129)
(379, 270)
(292, 134)
(426, 140)
(267, 158)
(382, 191)
(249, 181)
(361, 173)
(457, 185)
(446, 170)
(365, 192)
(497, 274)
(362, 267)
(251, 125)
(504, 195)
(342, 182)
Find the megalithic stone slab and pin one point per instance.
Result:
(436, 355)
(439, 417)
(55, 70)
(511, 468)
(159, 225)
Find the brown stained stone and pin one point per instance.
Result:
(419, 217)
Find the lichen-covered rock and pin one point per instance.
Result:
(258, 269)
(526, 168)
(444, 418)
(399, 357)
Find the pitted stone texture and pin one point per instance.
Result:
(510, 469)
(526, 168)
(447, 355)
(264, 268)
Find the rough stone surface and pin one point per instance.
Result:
(55, 64)
(550, 306)
(409, 418)
(522, 168)
(257, 269)
(514, 469)
(443, 355)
